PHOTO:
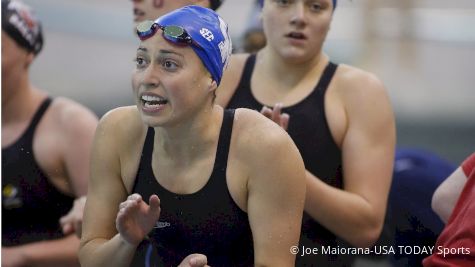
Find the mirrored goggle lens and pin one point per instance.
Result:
(146, 29)
(176, 34)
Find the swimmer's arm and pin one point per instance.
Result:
(72, 221)
(276, 195)
(446, 195)
(101, 245)
(357, 213)
(78, 125)
(51, 253)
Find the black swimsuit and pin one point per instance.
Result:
(31, 205)
(309, 130)
(207, 222)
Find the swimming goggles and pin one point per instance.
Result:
(172, 33)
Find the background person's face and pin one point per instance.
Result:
(297, 29)
(15, 62)
(152, 9)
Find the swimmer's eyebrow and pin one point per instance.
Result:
(162, 51)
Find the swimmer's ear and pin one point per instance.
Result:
(29, 59)
(212, 85)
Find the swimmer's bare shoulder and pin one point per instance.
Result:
(275, 184)
(261, 144)
(260, 136)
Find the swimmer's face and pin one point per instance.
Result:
(170, 82)
(15, 63)
(296, 29)
(152, 9)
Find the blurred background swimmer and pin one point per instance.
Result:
(46, 144)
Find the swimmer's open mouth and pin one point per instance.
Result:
(153, 100)
(296, 35)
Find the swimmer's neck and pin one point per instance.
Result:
(286, 71)
(21, 104)
(191, 139)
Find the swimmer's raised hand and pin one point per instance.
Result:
(136, 219)
(194, 260)
(276, 115)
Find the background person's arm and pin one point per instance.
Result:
(52, 253)
(357, 212)
(76, 146)
(72, 221)
(78, 126)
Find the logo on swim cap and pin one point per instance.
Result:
(207, 34)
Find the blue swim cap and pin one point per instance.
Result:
(209, 31)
